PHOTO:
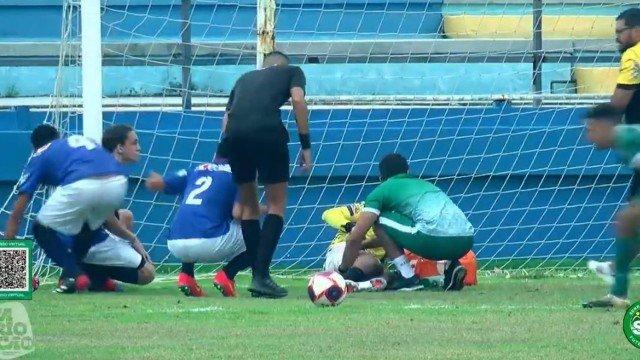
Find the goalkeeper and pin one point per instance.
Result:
(413, 214)
(368, 265)
(605, 131)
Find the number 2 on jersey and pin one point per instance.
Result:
(203, 184)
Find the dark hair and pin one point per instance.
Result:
(275, 58)
(604, 112)
(43, 134)
(392, 165)
(631, 17)
(115, 135)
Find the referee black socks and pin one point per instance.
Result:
(269, 237)
(251, 236)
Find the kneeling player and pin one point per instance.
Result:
(605, 131)
(367, 267)
(413, 214)
(204, 229)
(121, 258)
(91, 185)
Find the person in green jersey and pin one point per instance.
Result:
(604, 130)
(409, 213)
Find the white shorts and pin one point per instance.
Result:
(89, 201)
(334, 257)
(114, 251)
(212, 250)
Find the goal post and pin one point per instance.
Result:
(91, 44)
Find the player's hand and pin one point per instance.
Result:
(304, 160)
(154, 182)
(146, 257)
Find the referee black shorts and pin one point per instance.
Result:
(268, 157)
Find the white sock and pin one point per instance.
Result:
(403, 265)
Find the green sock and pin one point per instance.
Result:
(626, 251)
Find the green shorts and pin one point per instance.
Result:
(401, 229)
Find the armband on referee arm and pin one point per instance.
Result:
(305, 141)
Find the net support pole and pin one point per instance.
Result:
(266, 21)
(185, 43)
(537, 51)
(91, 43)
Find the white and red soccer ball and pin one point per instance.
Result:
(327, 288)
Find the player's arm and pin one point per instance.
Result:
(355, 239)
(375, 202)
(170, 184)
(27, 185)
(301, 111)
(225, 117)
(15, 218)
(114, 226)
(628, 80)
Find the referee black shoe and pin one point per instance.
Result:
(266, 287)
(454, 276)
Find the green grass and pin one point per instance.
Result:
(498, 319)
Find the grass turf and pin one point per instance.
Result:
(498, 319)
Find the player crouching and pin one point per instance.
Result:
(113, 258)
(409, 213)
(204, 229)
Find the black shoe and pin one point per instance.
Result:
(266, 287)
(66, 286)
(454, 277)
(405, 284)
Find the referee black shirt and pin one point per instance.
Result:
(254, 104)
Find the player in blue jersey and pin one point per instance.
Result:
(204, 229)
(112, 258)
(91, 185)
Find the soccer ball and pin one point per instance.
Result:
(327, 288)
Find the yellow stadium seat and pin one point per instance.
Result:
(520, 27)
(595, 80)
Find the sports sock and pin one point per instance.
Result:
(626, 251)
(269, 237)
(237, 264)
(125, 274)
(403, 266)
(251, 237)
(187, 268)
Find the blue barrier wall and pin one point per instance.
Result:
(525, 177)
(231, 20)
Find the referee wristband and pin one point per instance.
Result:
(305, 141)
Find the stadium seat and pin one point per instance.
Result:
(595, 80)
(520, 27)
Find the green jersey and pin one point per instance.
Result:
(430, 208)
(627, 144)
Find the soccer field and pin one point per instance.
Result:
(500, 318)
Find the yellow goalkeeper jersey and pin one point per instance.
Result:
(337, 217)
(629, 79)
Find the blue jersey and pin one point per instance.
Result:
(65, 161)
(208, 194)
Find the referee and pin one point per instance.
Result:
(256, 141)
